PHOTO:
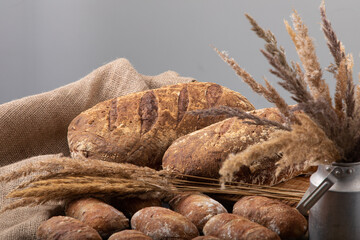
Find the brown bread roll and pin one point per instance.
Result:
(139, 127)
(215, 223)
(129, 234)
(202, 152)
(130, 206)
(65, 228)
(286, 221)
(162, 223)
(101, 216)
(229, 226)
(197, 207)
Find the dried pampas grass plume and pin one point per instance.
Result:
(268, 92)
(326, 131)
(306, 50)
(319, 149)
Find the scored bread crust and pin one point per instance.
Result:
(202, 153)
(139, 127)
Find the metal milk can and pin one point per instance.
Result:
(333, 202)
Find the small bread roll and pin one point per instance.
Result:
(65, 228)
(162, 223)
(197, 207)
(277, 216)
(228, 226)
(101, 216)
(130, 235)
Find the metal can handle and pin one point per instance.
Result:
(306, 203)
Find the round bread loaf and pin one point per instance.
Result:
(129, 234)
(286, 221)
(139, 127)
(66, 228)
(228, 226)
(101, 216)
(162, 223)
(197, 207)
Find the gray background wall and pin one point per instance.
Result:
(46, 44)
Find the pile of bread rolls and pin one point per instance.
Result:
(186, 216)
(156, 128)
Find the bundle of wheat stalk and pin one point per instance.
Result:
(323, 132)
(64, 179)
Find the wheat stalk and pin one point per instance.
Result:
(241, 114)
(57, 179)
(54, 180)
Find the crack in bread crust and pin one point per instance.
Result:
(183, 103)
(113, 114)
(213, 94)
(148, 111)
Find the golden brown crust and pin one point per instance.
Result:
(65, 228)
(197, 207)
(230, 226)
(130, 235)
(139, 127)
(201, 153)
(98, 215)
(278, 217)
(214, 223)
(163, 223)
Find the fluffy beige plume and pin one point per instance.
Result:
(341, 85)
(306, 145)
(306, 50)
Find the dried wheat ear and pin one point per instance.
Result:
(65, 179)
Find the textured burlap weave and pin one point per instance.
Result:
(37, 125)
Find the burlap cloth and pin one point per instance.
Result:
(37, 125)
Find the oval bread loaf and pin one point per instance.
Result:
(139, 127)
(129, 234)
(229, 226)
(286, 221)
(66, 228)
(197, 207)
(101, 216)
(201, 153)
(163, 223)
